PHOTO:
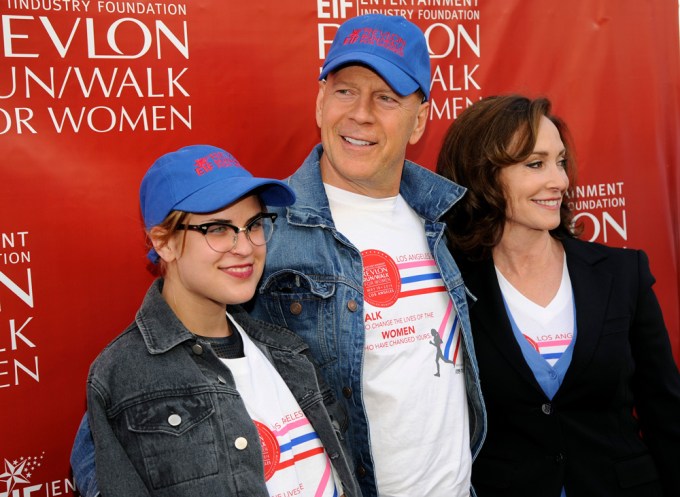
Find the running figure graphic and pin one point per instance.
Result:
(437, 342)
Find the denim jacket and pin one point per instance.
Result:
(312, 285)
(167, 419)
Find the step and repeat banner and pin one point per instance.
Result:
(92, 91)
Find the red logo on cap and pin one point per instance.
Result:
(216, 159)
(369, 36)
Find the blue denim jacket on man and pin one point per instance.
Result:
(312, 285)
(167, 419)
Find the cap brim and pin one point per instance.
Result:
(222, 193)
(399, 81)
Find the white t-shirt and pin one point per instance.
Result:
(548, 329)
(295, 462)
(413, 381)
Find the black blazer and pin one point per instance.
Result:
(587, 438)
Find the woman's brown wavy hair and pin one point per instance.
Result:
(494, 133)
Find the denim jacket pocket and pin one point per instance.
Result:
(304, 304)
(176, 437)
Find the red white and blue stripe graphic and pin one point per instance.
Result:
(420, 278)
(302, 446)
(550, 350)
(423, 277)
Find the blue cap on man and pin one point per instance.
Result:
(389, 45)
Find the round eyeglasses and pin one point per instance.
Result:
(223, 237)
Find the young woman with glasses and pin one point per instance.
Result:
(195, 398)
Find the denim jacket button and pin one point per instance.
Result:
(221, 379)
(352, 305)
(295, 308)
(347, 392)
(174, 419)
(197, 349)
(241, 443)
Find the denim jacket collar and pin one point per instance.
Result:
(162, 330)
(311, 207)
(160, 327)
(271, 336)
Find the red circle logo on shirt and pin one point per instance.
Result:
(271, 452)
(382, 282)
(532, 343)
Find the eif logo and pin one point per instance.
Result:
(19, 472)
(18, 477)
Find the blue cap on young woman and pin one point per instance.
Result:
(202, 179)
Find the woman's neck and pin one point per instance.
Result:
(520, 255)
(533, 265)
(200, 316)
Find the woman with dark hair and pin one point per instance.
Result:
(582, 392)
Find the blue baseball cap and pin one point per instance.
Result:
(202, 179)
(389, 45)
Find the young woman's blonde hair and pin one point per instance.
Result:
(163, 232)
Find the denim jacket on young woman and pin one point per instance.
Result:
(313, 285)
(167, 419)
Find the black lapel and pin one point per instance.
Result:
(490, 318)
(591, 287)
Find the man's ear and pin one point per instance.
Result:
(421, 122)
(319, 102)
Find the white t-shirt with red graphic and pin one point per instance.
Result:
(548, 329)
(295, 462)
(413, 381)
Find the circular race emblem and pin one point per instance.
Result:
(271, 452)
(382, 282)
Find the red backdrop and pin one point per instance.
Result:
(91, 92)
